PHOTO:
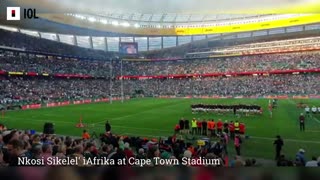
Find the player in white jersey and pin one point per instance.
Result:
(307, 110)
(314, 109)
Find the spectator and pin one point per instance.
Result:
(88, 151)
(127, 150)
(141, 154)
(278, 143)
(108, 126)
(85, 135)
(46, 152)
(16, 151)
(237, 144)
(79, 155)
(312, 163)
(300, 158)
(62, 151)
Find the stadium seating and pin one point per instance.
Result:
(18, 88)
(309, 60)
(53, 65)
(50, 88)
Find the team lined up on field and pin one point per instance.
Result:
(314, 109)
(247, 109)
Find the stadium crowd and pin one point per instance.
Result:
(233, 86)
(33, 90)
(16, 144)
(271, 62)
(53, 65)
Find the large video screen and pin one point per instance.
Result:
(128, 48)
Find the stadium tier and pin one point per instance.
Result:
(15, 90)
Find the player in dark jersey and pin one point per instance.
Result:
(181, 124)
(186, 126)
(226, 127)
(301, 121)
(204, 127)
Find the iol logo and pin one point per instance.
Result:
(13, 13)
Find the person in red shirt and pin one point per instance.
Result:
(199, 126)
(231, 130)
(242, 128)
(177, 129)
(211, 125)
(219, 126)
(85, 135)
(127, 151)
(213, 128)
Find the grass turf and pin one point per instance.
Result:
(157, 117)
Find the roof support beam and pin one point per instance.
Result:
(175, 18)
(189, 18)
(163, 17)
(91, 42)
(141, 17)
(131, 16)
(150, 18)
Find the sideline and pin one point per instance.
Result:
(149, 129)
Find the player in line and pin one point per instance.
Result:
(210, 128)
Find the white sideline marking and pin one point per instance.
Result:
(90, 125)
(149, 135)
(314, 118)
(313, 131)
(117, 118)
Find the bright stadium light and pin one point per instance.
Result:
(103, 21)
(80, 16)
(115, 23)
(92, 19)
(136, 25)
(125, 24)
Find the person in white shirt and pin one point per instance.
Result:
(312, 163)
(314, 109)
(307, 110)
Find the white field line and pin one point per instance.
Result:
(150, 135)
(314, 118)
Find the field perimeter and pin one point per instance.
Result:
(157, 117)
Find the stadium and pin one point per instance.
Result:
(162, 80)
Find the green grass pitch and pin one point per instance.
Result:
(151, 117)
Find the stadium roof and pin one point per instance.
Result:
(163, 17)
(158, 24)
(175, 6)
